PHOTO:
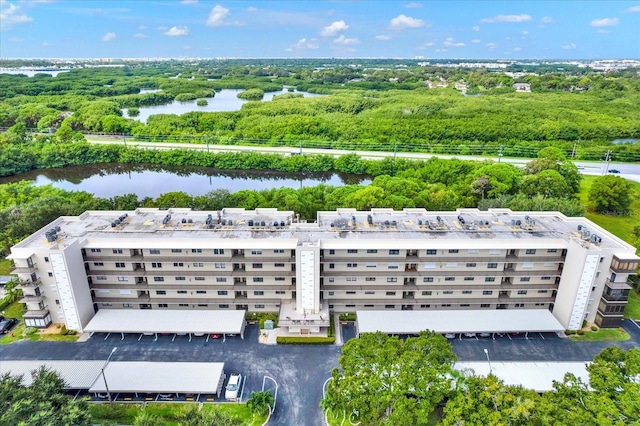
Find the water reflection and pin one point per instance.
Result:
(148, 180)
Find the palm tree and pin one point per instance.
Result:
(261, 402)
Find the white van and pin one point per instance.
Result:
(232, 391)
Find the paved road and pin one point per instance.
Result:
(299, 370)
(627, 170)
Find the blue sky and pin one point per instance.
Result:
(398, 29)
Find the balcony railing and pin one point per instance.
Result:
(24, 269)
(28, 283)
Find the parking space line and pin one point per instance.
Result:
(634, 323)
(509, 336)
(541, 336)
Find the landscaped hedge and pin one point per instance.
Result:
(286, 340)
(351, 316)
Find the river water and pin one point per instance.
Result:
(109, 180)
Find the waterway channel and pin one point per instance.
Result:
(109, 180)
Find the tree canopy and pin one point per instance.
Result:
(611, 195)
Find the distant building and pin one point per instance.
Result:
(522, 87)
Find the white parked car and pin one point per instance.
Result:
(232, 391)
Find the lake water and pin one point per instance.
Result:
(109, 180)
(225, 100)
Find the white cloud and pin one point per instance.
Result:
(451, 43)
(334, 29)
(491, 46)
(139, 35)
(506, 18)
(108, 36)
(189, 1)
(252, 9)
(441, 50)
(401, 22)
(383, 37)
(218, 17)
(11, 15)
(475, 41)
(142, 27)
(413, 5)
(525, 32)
(426, 45)
(177, 31)
(311, 43)
(476, 28)
(547, 20)
(569, 46)
(346, 41)
(605, 22)
(604, 32)
(633, 9)
(517, 49)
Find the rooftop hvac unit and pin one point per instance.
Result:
(513, 222)
(579, 227)
(420, 222)
(282, 223)
(394, 223)
(461, 219)
(113, 224)
(263, 223)
(209, 220)
(353, 219)
(184, 220)
(387, 223)
(370, 219)
(166, 219)
(250, 223)
(275, 223)
(57, 229)
(189, 220)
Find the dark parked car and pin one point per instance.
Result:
(7, 324)
(616, 171)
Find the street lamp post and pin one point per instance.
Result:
(486, 352)
(105, 378)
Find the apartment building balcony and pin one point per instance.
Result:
(38, 313)
(437, 300)
(92, 257)
(32, 298)
(453, 272)
(24, 269)
(28, 284)
(194, 272)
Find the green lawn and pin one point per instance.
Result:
(168, 414)
(602, 335)
(5, 266)
(15, 311)
(633, 306)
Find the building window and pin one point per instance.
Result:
(390, 293)
(393, 266)
(446, 305)
(369, 292)
(485, 305)
(223, 306)
(473, 251)
(198, 264)
(352, 251)
(156, 265)
(154, 251)
(392, 279)
(370, 279)
(99, 277)
(332, 252)
(464, 305)
(182, 291)
(330, 306)
(352, 279)
(449, 278)
(471, 265)
(372, 251)
(219, 251)
(127, 305)
(219, 265)
(427, 293)
(545, 278)
(492, 265)
(202, 305)
(98, 263)
(543, 291)
(123, 278)
(201, 291)
(427, 279)
(494, 251)
(178, 264)
(117, 251)
(256, 252)
(432, 252)
(549, 264)
(96, 250)
(279, 278)
(196, 250)
(256, 265)
(331, 293)
(389, 306)
(184, 305)
(331, 279)
(57, 302)
(276, 251)
(372, 265)
(530, 251)
(552, 250)
(429, 266)
(259, 306)
(351, 292)
(527, 265)
(368, 306)
(467, 291)
(519, 305)
(332, 265)
(181, 278)
(222, 292)
(281, 292)
(158, 279)
(447, 292)
(392, 252)
(522, 291)
(221, 279)
(469, 278)
(161, 292)
(279, 265)
(425, 306)
(487, 292)
(352, 265)
(198, 278)
(176, 250)
(119, 264)
(453, 251)
(258, 293)
(258, 279)
(489, 279)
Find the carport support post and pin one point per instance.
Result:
(105, 377)
(486, 352)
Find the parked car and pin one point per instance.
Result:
(484, 334)
(7, 324)
(469, 334)
(215, 336)
(232, 391)
(450, 336)
(616, 171)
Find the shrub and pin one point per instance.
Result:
(594, 328)
(584, 323)
(351, 316)
(580, 332)
(64, 330)
(570, 332)
(286, 340)
(202, 102)
(30, 330)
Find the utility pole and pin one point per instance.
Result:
(395, 149)
(124, 139)
(500, 153)
(573, 151)
(206, 139)
(300, 146)
(607, 158)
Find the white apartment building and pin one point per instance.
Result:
(345, 261)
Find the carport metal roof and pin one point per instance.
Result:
(538, 376)
(159, 377)
(76, 374)
(458, 321)
(166, 321)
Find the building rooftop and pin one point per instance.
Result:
(178, 228)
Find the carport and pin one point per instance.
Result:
(459, 321)
(176, 322)
(77, 375)
(134, 377)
